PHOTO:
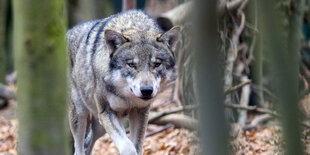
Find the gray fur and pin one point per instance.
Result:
(112, 61)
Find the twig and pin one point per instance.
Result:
(167, 126)
(237, 87)
(252, 108)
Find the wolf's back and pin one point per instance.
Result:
(88, 37)
(75, 38)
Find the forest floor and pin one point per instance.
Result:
(171, 141)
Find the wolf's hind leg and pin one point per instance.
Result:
(78, 124)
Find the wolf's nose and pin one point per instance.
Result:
(146, 91)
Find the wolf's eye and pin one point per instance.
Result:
(157, 64)
(131, 64)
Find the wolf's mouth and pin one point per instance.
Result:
(146, 98)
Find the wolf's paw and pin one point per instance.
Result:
(128, 149)
(129, 152)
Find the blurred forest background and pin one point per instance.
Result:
(243, 71)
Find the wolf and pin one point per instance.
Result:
(118, 66)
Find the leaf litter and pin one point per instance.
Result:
(172, 141)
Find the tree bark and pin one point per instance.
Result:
(257, 52)
(156, 7)
(8, 35)
(3, 17)
(281, 35)
(129, 4)
(39, 41)
(208, 78)
(85, 10)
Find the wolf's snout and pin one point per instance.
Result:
(146, 92)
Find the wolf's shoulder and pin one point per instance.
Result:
(133, 19)
(79, 30)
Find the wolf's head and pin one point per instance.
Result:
(142, 62)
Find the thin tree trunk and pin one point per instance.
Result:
(39, 39)
(129, 4)
(281, 35)
(9, 38)
(85, 10)
(3, 17)
(209, 79)
(257, 52)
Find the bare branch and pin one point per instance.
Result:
(179, 14)
(252, 108)
(178, 120)
(167, 126)
(237, 87)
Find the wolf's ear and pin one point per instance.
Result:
(114, 39)
(171, 37)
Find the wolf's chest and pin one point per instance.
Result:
(118, 104)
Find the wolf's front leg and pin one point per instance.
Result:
(138, 119)
(115, 129)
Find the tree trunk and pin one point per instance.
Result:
(85, 10)
(155, 7)
(8, 45)
(281, 35)
(256, 48)
(3, 16)
(39, 39)
(209, 79)
(129, 4)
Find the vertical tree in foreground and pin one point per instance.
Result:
(281, 35)
(209, 78)
(40, 50)
(2, 40)
(258, 57)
